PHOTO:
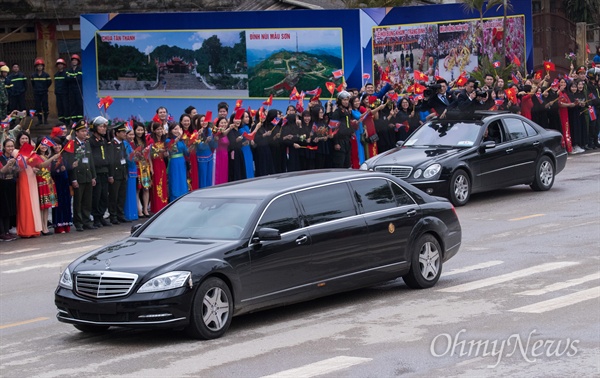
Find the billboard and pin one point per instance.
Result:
(203, 58)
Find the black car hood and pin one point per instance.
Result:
(415, 156)
(140, 255)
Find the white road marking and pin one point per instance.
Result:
(55, 264)
(526, 217)
(507, 277)
(23, 259)
(472, 267)
(319, 368)
(560, 302)
(562, 285)
(79, 241)
(20, 251)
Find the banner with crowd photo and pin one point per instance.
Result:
(442, 49)
(145, 61)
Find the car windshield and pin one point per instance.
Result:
(445, 134)
(203, 218)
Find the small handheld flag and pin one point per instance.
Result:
(366, 76)
(47, 142)
(496, 64)
(32, 112)
(70, 146)
(269, 101)
(549, 66)
(208, 116)
(338, 74)
(330, 87)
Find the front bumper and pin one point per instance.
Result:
(168, 309)
(434, 187)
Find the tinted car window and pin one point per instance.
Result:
(530, 130)
(281, 215)
(326, 203)
(515, 128)
(373, 195)
(402, 198)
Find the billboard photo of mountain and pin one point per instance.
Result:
(281, 59)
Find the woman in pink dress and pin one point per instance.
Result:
(221, 154)
(159, 197)
(29, 220)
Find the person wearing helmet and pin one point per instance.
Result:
(40, 83)
(75, 88)
(593, 90)
(100, 152)
(3, 93)
(342, 131)
(61, 91)
(16, 85)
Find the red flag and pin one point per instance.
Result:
(269, 101)
(26, 150)
(516, 61)
(592, 111)
(238, 104)
(511, 94)
(496, 64)
(47, 142)
(420, 76)
(366, 76)
(515, 79)
(399, 125)
(587, 48)
(393, 96)
(208, 116)
(538, 75)
(462, 79)
(107, 101)
(385, 77)
(340, 87)
(337, 74)
(549, 66)
(70, 146)
(433, 111)
(294, 94)
(251, 112)
(410, 89)
(249, 136)
(239, 113)
(314, 92)
(330, 87)
(275, 121)
(34, 160)
(334, 124)
(419, 89)
(261, 113)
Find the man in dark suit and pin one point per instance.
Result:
(82, 176)
(117, 175)
(440, 100)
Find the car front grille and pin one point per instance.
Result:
(395, 170)
(104, 284)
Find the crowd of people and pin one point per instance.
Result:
(99, 173)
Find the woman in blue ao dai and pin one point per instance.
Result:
(176, 169)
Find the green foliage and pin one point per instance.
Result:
(123, 61)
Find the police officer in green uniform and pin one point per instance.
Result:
(117, 175)
(82, 175)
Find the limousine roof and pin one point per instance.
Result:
(267, 186)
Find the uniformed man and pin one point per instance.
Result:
(117, 175)
(61, 92)
(100, 151)
(16, 84)
(75, 88)
(82, 175)
(40, 83)
(3, 93)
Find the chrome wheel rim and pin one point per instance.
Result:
(429, 261)
(215, 309)
(461, 188)
(546, 173)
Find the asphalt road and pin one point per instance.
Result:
(521, 298)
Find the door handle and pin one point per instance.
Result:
(301, 240)
(537, 142)
(509, 150)
(412, 212)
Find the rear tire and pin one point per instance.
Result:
(460, 188)
(212, 310)
(544, 175)
(426, 263)
(88, 328)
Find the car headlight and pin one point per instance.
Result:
(167, 281)
(364, 167)
(417, 173)
(432, 170)
(65, 279)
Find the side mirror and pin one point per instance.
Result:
(266, 233)
(136, 227)
(399, 143)
(488, 144)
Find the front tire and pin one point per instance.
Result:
(460, 188)
(544, 175)
(426, 263)
(212, 310)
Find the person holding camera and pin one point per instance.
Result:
(471, 98)
(436, 97)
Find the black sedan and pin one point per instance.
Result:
(249, 245)
(490, 150)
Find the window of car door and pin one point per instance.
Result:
(516, 129)
(281, 214)
(376, 195)
(326, 203)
